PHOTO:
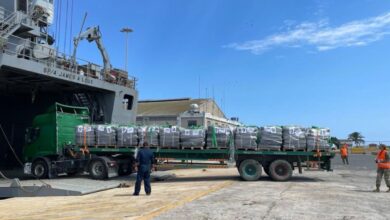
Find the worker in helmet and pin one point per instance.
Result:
(383, 163)
(144, 166)
(344, 153)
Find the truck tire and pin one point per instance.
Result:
(98, 169)
(250, 170)
(280, 170)
(40, 169)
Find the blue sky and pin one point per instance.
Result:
(323, 63)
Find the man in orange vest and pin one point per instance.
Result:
(383, 163)
(344, 153)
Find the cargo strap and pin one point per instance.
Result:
(85, 149)
(214, 142)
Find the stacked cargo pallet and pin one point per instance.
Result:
(85, 135)
(317, 139)
(218, 137)
(245, 138)
(150, 135)
(270, 138)
(294, 138)
(193, 138)
(105, 135)
(127, 136)
(170, 137)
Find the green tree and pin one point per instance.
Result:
(335, 141)
(356, 137)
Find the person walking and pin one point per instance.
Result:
(344, 153)
(144, 165)
(383, 163)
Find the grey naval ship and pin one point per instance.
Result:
(34, 75)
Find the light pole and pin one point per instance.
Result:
(126, 31)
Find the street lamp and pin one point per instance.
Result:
(127, 31)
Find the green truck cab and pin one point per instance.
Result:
(53, 131)
(50, 147)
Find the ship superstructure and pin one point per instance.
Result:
(34, 75)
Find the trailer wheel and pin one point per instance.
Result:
(98, 170)
(280, 170)
(40, 169)
(250, 170)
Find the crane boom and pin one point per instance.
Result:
(94, 34)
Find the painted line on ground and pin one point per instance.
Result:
(188, 199)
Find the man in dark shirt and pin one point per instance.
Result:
(144, 162)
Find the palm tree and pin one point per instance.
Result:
(335, 141)
(356, 137)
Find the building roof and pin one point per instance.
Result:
(171, 107)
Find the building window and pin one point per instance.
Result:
(192, 123)
(128, 101)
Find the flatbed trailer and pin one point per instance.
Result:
(51, 150)
(250, 164)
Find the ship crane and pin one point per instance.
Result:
(94, 34)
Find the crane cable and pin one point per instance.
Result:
(59, 23)
(56, 25)
(71, 28)
(17, 158)
(12, 149)
(66, 26)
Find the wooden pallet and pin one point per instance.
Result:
(247, 149)
(268, 149)
(217, 148)
(323, 151)
(170, 147)
(294, 150)
(127, 146)
(193, 148)
(105, 146)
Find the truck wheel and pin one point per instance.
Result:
(98, 170)
(40, 169)
(250, 170)
(280, 170)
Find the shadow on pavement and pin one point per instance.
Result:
(295, 179)
(200, 179)
(363, 191)
(126, 194)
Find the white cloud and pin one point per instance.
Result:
(322, 36)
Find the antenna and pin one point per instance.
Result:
(199, 86)
(213, 92)
(212, 110)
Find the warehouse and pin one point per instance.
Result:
(184, 112)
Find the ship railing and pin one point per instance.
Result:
(10, 18)
(5, 15)
(50, 57)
